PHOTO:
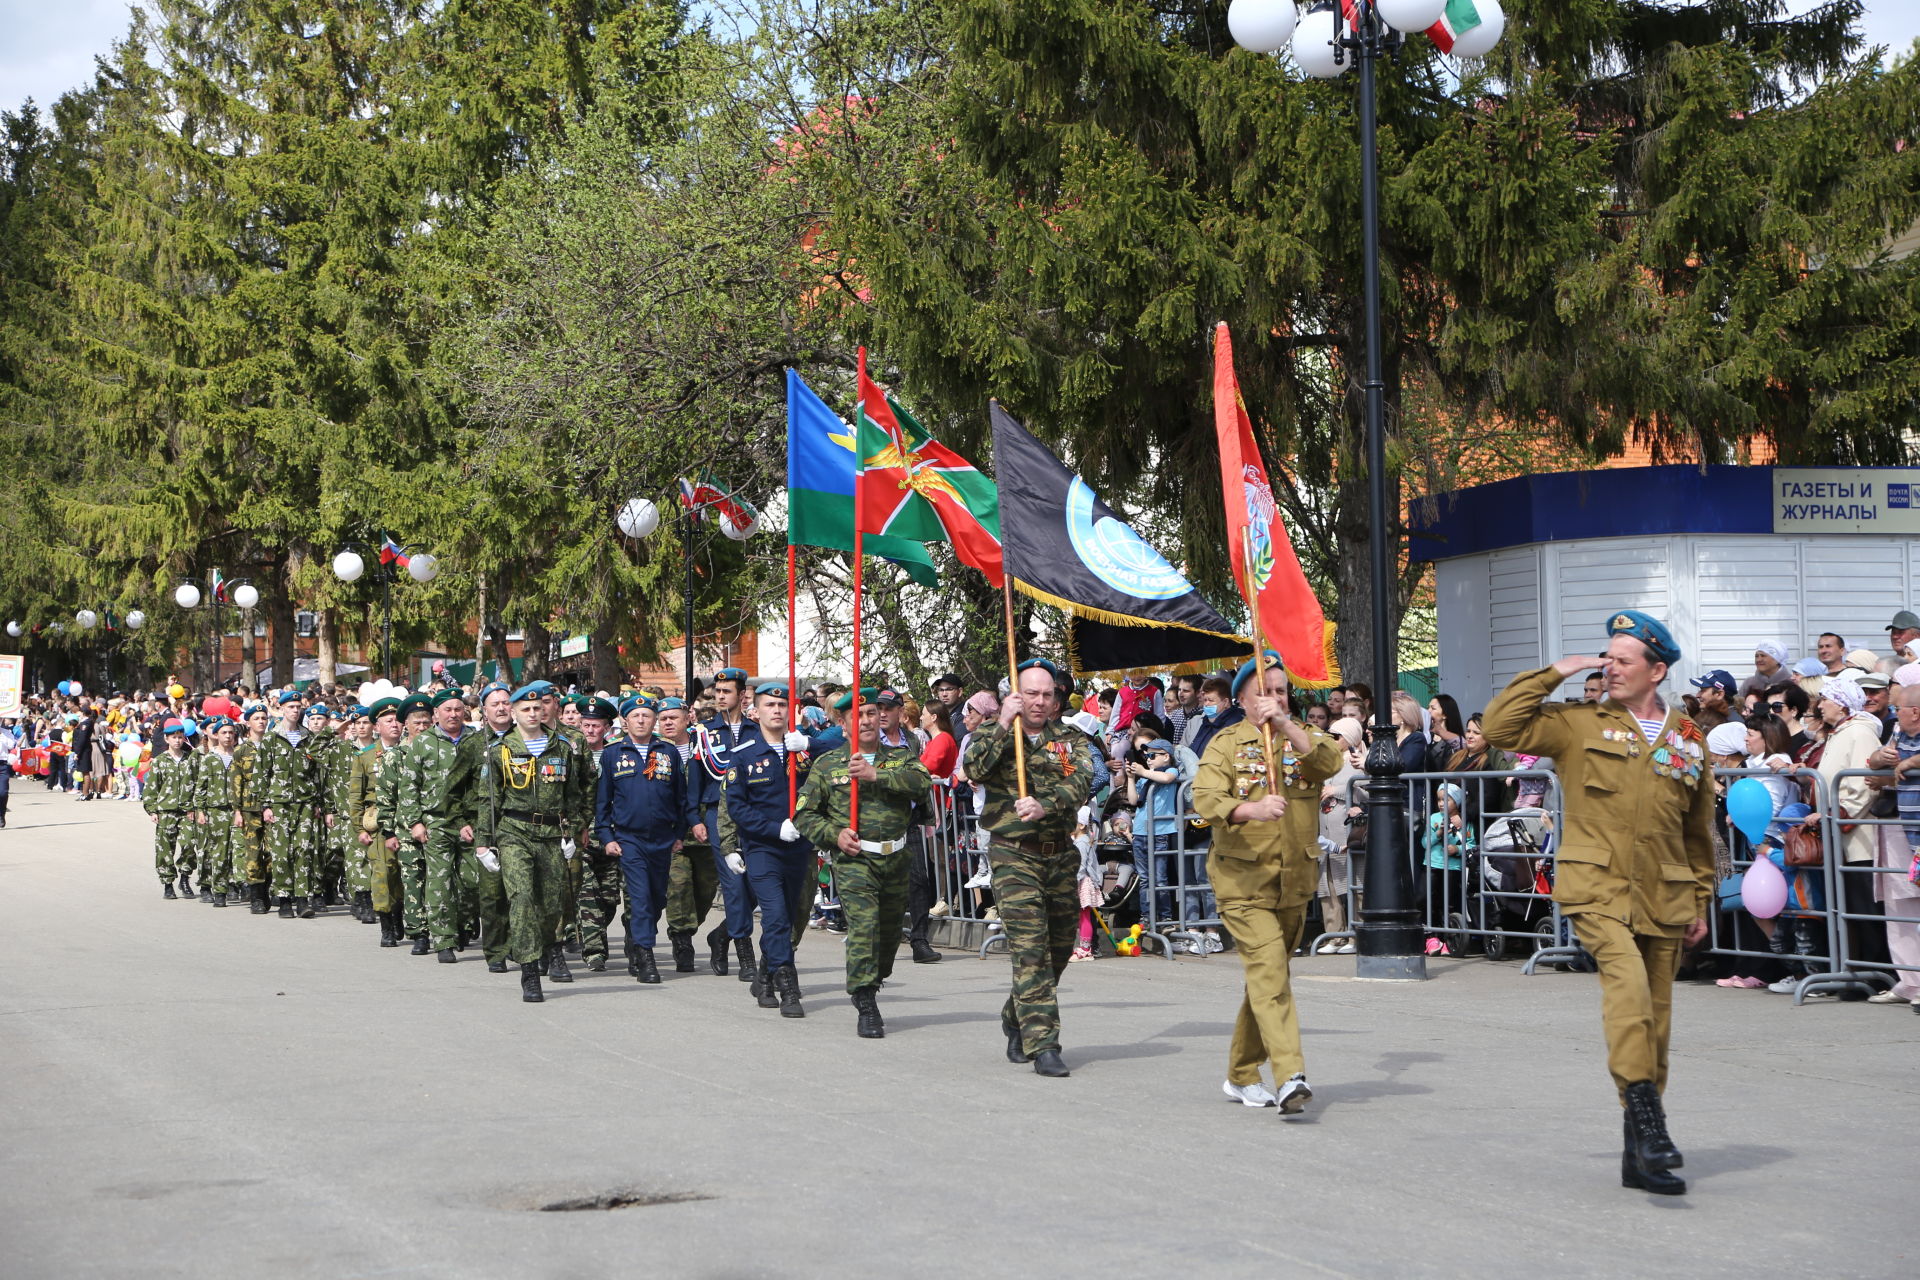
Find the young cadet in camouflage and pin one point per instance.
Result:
(601, 879)
(535, 794)
(374, 825)
(1031, 853)
(409, 855)
(215, 837)
(323, 754)
(337, 829)
(496, 719)
(356, 734)
(870, 866)
(1264, 865)
(289, 789)
(246, 803)
(166, 797)
(435, 806)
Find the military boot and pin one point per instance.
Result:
(557, 964)
(644, 968)
(682, 952)
(743, 948)
(219, 899)
(447, 956)
(786, 980)
(257, 899)
(530, 984)
(186, 888)
(420, 947)
(1636, 1176)
(206, 894)
(286, 907)
(764, 989)
(389, 929)
(1647, 1128)
(166, 889)
(923, 952)
(871, 1027)
(717, 951)
(303, 907)
(1016, 1047)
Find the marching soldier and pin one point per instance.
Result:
(693, 878)
(212, 814)
(718, 737)
(1264, 868)
(1031, 853)
(166, 797)
(246, 799)
(601, 879)
(357, 734)
(534, 795)
(870, 865)
(496, 719)
(288, 789)
(375, 826)
(410, 856)
(1634, 870)
(640, 813)
(434, 800)
(776, 861)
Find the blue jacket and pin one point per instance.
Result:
(756, 795)
(717, 742)
(703, 791)
(641, 800)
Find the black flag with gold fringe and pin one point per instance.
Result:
(1066, 547)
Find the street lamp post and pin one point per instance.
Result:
(1388, 936)
(640, 517)
(421, 567)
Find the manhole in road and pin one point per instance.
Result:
(622, 1199)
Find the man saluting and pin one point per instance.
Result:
(1634, 871)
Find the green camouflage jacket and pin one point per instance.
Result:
(550, 784)
(1059, 776)
(435, 789)
(169, 784)
(886, 803)
(246, 771)
(212, 785)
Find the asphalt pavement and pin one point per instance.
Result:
(203, 1093)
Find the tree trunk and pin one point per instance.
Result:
(280, 619)
(536, 649)
(249, 671)
(327, 650)
(502, 655)
(606, 660)
(480, 629)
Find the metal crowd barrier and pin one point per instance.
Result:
(1853, 886)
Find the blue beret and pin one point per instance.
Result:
(636, 702)
(286, 696)
(773, 689)
(526, 691)
(1245, 673)
(216, 722)
(252, 707)
(1059, 677)
(1649, 631)
(497, 686)
(353, 711)
(673, 704)
(320, 709)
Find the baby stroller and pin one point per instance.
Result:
(1509, 875)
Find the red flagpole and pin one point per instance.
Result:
(793, 694)
(853, 714)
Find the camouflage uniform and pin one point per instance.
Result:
(693, 877)
(873, 882)
(362, 807)
(1035, 864)
(528, 804)
(409, 860)
(490, 895)
(287, 781)
(339, 848)
(216, 843)
(434, 793)
(167, 795)
(575, 866)
(246, 801)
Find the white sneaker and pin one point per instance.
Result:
(1886, 997)
(1294, 1095)
(1248, 1095)
(1327, 948)
(1783, 987)
(939, 909)
(1214, 945)
(1345, 948)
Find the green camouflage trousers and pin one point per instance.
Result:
(534, 876)
(569, 930)
(383, 874)
(692, 880)
(1038, 897)
(172, 846)
(293, 845)
(490, 896)
(452, 888)
(218, 851)
(602, 888)
(411, 859)
(333, 847)
(251, 853)
(873, 893)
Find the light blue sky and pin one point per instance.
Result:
(48, 46)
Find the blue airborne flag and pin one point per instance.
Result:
(820, 477)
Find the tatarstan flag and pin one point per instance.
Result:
(820, 484)
(912, 486)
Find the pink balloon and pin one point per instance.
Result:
(1763, 890)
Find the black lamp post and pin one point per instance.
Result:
(1389, 939)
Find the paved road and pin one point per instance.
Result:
(198, 1093)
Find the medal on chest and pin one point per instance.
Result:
(1249, 770)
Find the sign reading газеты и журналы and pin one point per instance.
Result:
(1846, 500)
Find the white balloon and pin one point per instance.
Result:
(348, 566)
(1477, 42)
(1313, 47)
(421, 567)
(87, 618)
(73, 686)
(367, 694)
(14, 629)
(135, 619)
(187, 596)
(246, 595)
(638, 518)
(1410, 15)
(1263, 26)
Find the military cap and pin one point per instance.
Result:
(320, 709)
(1872, 680)
(636, 702)
(1649, 631)
(772, 689)
(285, 696)
(526, 691)
(1245, 673)
(493, 687)
(216, 722)
(729, 673)
(673, 704)
(353, 711)
(598, 709)
(384, 706)
(888, 697)
(1060, 677)
(449, 695)
(415, 702)
(869, 697)
(251, 708)
(172, 726)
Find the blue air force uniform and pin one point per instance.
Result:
(718, 742)
(781, 873)
(642, 803)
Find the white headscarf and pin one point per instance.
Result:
(1778, 652)
(1729, 739)
(1841, 690)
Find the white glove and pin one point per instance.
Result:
(788, 831)
(796, 740)
(488, 859)
(568, 849)
(737, 864)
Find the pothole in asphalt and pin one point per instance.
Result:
(625, 1198)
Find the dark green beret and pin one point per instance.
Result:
(868, 698)
(382, 706)
(415, 702)
(449, 695)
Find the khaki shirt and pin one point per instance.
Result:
(1637, 838)
(1234, 772)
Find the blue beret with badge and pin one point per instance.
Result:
(526, 691)
(1060, 677)
(286, 696)
(772, 689)
(1245, 673)
(1648, 630)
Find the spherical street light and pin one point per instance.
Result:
(1410, 15)
(348, 566)
(422, 567)
(638, 518)
(1263, 26)
(1313, 45)
(14, 629)
(739, 532)
(1478, 41)
(246, 595)
(135, 619)
(87, 619)
(187, 596)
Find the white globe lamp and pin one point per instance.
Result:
(638, 518)
(1478, 42)
(348, 566)
(1410, 15)
(14, 629)
(135, 619)
(421, 567)
(87, 619)
(1313, 46)
(246, 595)
(187, 596)
(1263, 26)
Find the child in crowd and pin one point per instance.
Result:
(1089, 889)
(1448, 841)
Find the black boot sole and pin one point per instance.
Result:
(1654, 1183)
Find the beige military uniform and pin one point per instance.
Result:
(1263, 876)
(1634, 866)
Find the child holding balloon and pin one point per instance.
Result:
(1754, 807)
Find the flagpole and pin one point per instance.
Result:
(854, 700)
(1259, 643)
(1013, 682)
(793, 694)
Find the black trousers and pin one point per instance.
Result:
(919, 885)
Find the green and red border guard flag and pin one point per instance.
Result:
(912, 486)
(1289, 612)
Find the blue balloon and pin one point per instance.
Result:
(1750, 805)
(63, 688)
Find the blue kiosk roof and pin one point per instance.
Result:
(1565, 505)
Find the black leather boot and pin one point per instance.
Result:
(219, 899)
(870, 1027)
(717, 951)
(923, 952)
(1016, 1050)
(420, 947)
(286, 908)
(682, 952)
(389, 929)
(206, 894)
(257, 896)
(641, 963)
(743, 948)
(557, 964)
(1636, 1176)
(186, 888)
(1048, 1062)
(530, 984)
(765, 992)
(303, 907)
(786, 981)
(447, 956)
(496, 966)
(166, 889)
(1647, 1126)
